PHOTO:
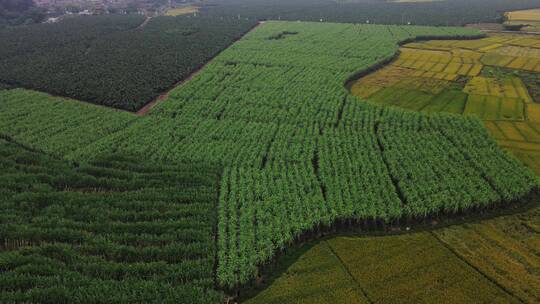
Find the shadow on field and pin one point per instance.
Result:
(284, 259)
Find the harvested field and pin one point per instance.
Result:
(467, 263)
(530, 18)
(182, 11)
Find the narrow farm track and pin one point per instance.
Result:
(395, 182)
(472, 266)
(362, 290)
(264, 209)
(149, 106)
(521, 138)
(145, 22)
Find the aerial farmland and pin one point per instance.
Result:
(260, 151)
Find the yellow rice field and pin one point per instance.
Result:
(530, 18)
(182, 11)
(498, 257)
(493, 261)
(446, 75)
(528, 15)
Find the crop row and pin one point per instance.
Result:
(118, 230)
(298, 152)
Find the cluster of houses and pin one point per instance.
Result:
(57, 9)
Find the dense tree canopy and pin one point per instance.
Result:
(16, 12)
(108, 60)
(447, 12)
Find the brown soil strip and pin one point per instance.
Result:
(146, 108)
(145, 22)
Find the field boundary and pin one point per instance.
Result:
(165, 95)
(461, 258)
(384, 62)
(145, 109)
(348, 271)
(395, 182)
(284, 258)
(511, 32)
(144, 23)
(150, 105)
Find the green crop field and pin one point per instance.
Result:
(119, 228)
(296, 152)
(493, 261)
(501, 252)
(127, 61)
(494, 78)
(56, 125)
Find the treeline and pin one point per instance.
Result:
(108, 60)
(119, 230)
(449, 12)
(300, 154)
(40, 38)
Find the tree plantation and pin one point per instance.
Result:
(418, 12)
(112, 60)
(295, 151)
(118, 230)
(125, 61)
